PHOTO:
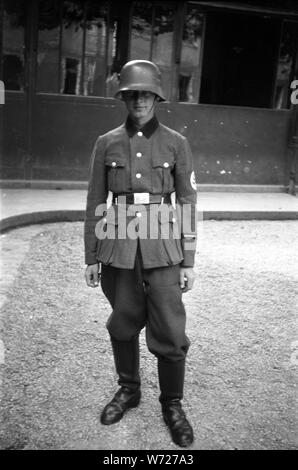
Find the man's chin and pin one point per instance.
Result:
(139, 114)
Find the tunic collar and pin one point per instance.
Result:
(148, 129)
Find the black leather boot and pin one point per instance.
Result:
(171, 381)
(126, 356)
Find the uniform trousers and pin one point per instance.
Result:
(150, 298)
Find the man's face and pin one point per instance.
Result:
(140, 104)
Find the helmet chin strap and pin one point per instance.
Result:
(152, 104)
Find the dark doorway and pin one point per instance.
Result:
(240, 60)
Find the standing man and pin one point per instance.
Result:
(142, 179)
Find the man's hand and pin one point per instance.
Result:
(187, 279)
(92, 275)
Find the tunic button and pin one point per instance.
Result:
(138, 175)
(140, 134)
(166, 165)
(114, 163)
(139, 154)
(138, 214)
(173, 220)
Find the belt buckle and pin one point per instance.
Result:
(141, 198)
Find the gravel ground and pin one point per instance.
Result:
(57, 371)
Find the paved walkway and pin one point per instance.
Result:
(28, 206)
(57, 371)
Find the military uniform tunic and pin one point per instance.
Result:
(155, 160)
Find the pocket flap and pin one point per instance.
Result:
(114, 160)
(163, 161)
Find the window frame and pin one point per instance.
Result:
(123, 45)
(180, 10)
(283, 15)
(294, 71)
(109, 21)
(27, 38)
(181, 22)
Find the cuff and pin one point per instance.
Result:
(91, 259)
(189, 252)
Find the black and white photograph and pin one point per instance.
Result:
(148, 228)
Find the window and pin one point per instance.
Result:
(13, 45)
(206, 55)
(77, 45)
(287, 63)
(191, 48)
(141, 31)
(152, 35)
(155, 36)
(72, 37)
(48, 46)
(95, 50)
(239, 64)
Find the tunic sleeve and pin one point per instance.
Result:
(186, 193)
(96, 200)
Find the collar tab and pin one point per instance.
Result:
(148, 129)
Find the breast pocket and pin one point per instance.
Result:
(162, 173)
(116, 173)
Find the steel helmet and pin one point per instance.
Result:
(140, 75)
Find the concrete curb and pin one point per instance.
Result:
(250, 215)
(20, 220)
(63, 184)
(43, 217)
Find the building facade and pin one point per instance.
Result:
(227, 71)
